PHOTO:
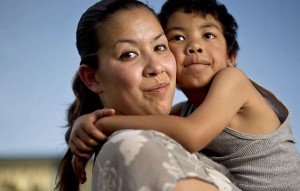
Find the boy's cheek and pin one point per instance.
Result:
(177, 53)
(174, 47)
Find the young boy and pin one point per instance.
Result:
(229, 118)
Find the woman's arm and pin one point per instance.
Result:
(227, 95)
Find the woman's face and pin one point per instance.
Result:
(136, 68)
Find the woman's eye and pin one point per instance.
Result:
(209, 36)
(160, 47)
(128, 55)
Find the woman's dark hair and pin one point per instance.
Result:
(88, 41)
(204, 8)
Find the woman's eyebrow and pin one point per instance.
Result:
(122, 41)
(132, 41)
(158, 36)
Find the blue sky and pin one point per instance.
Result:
(38, 59)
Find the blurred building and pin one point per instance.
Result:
(32, 174)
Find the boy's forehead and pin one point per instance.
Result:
(196, 13)
(180, 17)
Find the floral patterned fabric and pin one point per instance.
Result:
(140, 160)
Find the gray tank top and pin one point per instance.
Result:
(258, 163)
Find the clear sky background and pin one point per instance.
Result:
(38, 59)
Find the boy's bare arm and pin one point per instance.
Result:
(226, 96)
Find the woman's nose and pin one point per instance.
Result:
(153, 67)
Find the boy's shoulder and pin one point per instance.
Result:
(232, 74)
(232, 81)
(232, 70)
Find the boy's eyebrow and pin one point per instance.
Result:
(203, 26)
(174, 28)
(208, 25)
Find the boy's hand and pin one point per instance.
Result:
(85, 136)
(79, 165)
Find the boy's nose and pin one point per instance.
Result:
(194, 46)
(194, 50)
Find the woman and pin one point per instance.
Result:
(126, 65)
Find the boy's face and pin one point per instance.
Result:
(199, 47)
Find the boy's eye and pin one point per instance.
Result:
(128, 55)
(160, 47)
(177, 38)
(209, 36)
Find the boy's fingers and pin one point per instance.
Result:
(81, 165)
(88, 139)
(80, 149)
(79, 168)
(82, 155)
(102, 113)
(74, 165)
(94, 134)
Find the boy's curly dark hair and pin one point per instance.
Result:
(204, 8)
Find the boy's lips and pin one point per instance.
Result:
(196, 66)
(196, 63)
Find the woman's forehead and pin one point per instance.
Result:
(138, 24)
(141, 15)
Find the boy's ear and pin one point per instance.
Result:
(231, 60)
(87, 75)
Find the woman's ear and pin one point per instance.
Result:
(231, 60)
(87, 75)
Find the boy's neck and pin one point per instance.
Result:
(195, 96)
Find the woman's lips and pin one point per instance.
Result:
(161, 87)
